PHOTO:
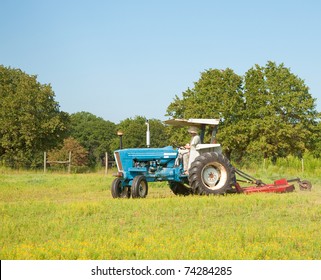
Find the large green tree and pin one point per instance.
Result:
(217, 94)
(267, 113)
(94, 133)
(280, 112)
(30, 119)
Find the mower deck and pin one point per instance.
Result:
(279, 186)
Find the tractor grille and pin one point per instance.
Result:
(118, 162)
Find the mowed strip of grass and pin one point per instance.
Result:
(52, 216)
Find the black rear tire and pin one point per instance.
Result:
(211, 173)
(139, 187)
(179, 188)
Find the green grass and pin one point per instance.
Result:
(60, 216)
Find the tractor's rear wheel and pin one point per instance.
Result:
(179, 188)
(211, 173)
(118, 191)
(139, 187)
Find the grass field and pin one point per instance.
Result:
(60, 216)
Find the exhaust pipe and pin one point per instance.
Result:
(147, 134)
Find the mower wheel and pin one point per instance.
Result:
(139, 187)
(305, 185)
(179, 188)
(211, 173)
(117, 191)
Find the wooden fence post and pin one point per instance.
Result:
(106, 163)
(69, 163)
(44, 162)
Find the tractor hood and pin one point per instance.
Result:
(128, 159)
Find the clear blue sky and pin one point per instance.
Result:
(119, 59)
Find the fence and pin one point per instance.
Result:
(45, 162)
(108, 163)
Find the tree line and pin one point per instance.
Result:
(266, 113)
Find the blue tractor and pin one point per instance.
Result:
(209, 171)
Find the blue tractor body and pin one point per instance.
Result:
(209, 172)
(155, 164)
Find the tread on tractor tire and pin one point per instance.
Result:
(117, 191)
(211, 173)
(179, 188)
(139, 187)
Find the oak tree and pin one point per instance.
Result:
(267, 113)
(279, 110)
(30, 119)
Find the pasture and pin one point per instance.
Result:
(60, 216)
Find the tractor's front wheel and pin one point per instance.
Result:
(139, 187)
(211, 173)
(118, 191)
